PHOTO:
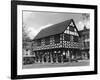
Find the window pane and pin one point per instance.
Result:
(66, 37)
(71, 28)
(39, 42)
(47, 41)
(57, 38)
(75, 39)
(88, 44)
(71, 38)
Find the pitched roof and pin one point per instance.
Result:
(54, 29)
(84, 31)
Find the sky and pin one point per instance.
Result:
(34, 21)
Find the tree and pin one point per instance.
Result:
(86, 16)
(25, 37)
(25, 33)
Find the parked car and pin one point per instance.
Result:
(28, 60)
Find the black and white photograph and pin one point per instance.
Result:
(53, 39)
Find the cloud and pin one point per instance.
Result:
(33, 32)
(80, 25)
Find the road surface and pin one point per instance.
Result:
(48, 65)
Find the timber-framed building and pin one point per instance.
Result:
(57, 43)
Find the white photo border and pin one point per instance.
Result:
(21, 71)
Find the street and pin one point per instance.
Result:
(66, 64)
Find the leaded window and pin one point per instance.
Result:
(71, 38)
(71, 28)
(75, 38)
(66, 37)
(38, 42)
(47, 40)
(57, 38)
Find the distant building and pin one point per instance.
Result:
(57, 43)
(27, 48)
(85, 41)
(28, 58)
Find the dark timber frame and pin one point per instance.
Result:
(62, 50)
(14, 53)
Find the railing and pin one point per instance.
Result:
(65, 44)
(51, 46)
(69, 44)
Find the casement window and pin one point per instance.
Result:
(57, 38)
(88, 36)
(83, 37)
(39, 42)
(66, 37)
(71, 28)
(84, 44)
(71, 38)
(88, 44)
(47, 40)
(76, 39)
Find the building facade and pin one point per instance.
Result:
(58, 43)
(85, 41)
(28, 57)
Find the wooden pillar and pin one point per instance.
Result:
(69, 55)
(76, 54)
(47, 57)
(61, 56)
(42, 57)
(57, 57)
(38, 57)
(66, 55)
(51, 57)
(35, 57)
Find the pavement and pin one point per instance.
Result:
(66, 64)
